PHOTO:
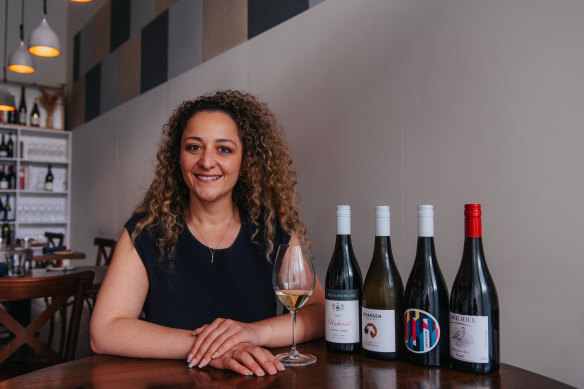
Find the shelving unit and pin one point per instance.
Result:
(35, 210)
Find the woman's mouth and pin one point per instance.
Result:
(207, 178)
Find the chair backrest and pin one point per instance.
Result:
(105, 250)
(59, 288)
(55, 239)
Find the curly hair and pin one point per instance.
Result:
(266, 186)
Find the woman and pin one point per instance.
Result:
(197, 254)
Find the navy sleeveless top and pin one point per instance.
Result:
(237, 285)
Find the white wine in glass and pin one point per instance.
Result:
(293, 280)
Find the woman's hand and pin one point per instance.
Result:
(214, 339)
(248, 359)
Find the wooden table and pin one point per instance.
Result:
(56, 257)
(97, 278)
(330, 371)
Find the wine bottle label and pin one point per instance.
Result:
(421, 332)
(469, 338)
(342, 315)
(378, 333)
(3, 184)
(48, 186)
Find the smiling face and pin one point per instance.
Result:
(211, 155)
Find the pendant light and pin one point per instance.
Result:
(6, 98)
(81, 1)
(20, 60)
(43, 40)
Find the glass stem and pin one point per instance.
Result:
(294, 352)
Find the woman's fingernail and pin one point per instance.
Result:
(189, 357)
(261, 374)
(195, 332)
(190, 365)
(203, 363)
(214, 356)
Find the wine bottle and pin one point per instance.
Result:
(6, 231)
(11, 177)
(3, 179)
(3, 148)
(474, 305)
(10, 146)
(22, 108)
(49, 180)
(382, 305)
(426, 301)
(343, 291)
(10, 216)
(35, 115)
(12, 117)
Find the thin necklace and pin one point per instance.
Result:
(212, 251)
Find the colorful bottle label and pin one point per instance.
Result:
(469, 338)
(378, 332)
(421, 332)
(342, 315)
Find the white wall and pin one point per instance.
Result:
(405, 102)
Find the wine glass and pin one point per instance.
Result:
(293, 280)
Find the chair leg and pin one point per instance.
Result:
(51, 325)
(63, 329)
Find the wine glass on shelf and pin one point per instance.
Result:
(293, 280)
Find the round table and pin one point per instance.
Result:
(330, 371)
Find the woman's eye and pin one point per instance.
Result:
(193, 147)
(224, 149)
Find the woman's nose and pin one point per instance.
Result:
(208, 159)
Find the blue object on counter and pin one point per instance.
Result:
(3, 270)
(50, 250)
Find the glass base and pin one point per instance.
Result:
(298, 360)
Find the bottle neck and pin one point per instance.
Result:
(472, 227)
(343, 225)
(425, 226)
(382, 227)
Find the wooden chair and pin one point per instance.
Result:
(55, 239)
(59, 289)
(105, 251)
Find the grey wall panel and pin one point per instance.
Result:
(185, 36)
(86, 47)
(110, 82)
(141, 13)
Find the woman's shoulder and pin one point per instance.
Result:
(133, 221)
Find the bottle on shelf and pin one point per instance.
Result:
(426, 318)
(35, 115)
(22, 107)
(11, 117)
(10, 146)
(10, 214)
(11, 177)
(474, 305)
(3, 179)
(343, 291)
(382, 303)
(3, 148)
(21, 178)
(6, 231)
(49, 180)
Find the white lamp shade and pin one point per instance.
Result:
(20, 60)
(43, 41)
(6, 100)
